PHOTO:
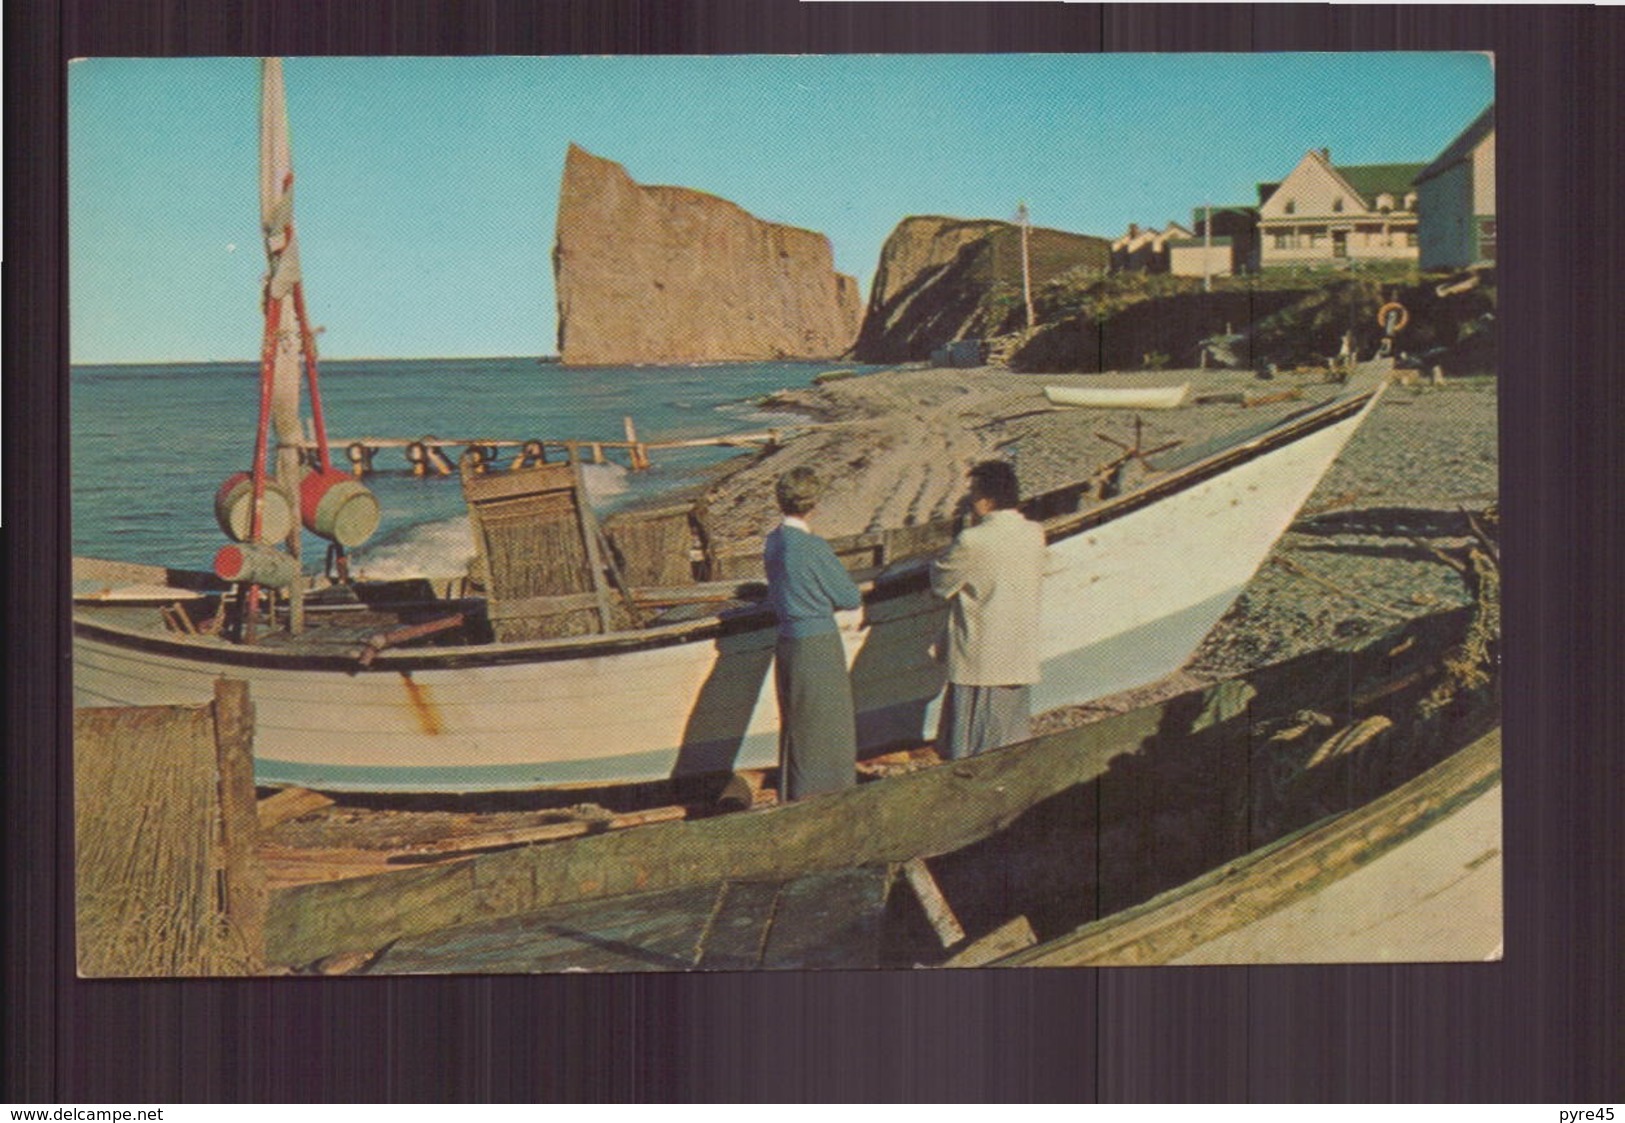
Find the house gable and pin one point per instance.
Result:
(1312, 188)
(1468, 144)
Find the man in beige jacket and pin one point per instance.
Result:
(991, 577)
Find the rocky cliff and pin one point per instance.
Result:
(668, 274)
(941, 279)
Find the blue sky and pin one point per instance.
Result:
(427, 188)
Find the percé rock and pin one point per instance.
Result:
(941, 279)
(673, 275)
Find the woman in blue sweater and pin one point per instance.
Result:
(807, 585)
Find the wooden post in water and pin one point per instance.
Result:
(639, 451)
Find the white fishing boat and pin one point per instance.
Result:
(662, 665)
(1118, 397)
(1133, 586)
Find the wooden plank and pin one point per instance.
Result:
(1349, 740)
(289, 804)
(246, 895)
(937, 909)
(1242, 891)
(737, 934)
(591, 536)
(286, 866)
(543, 832)
(657, 931)
(829, 920)
(1007, 939)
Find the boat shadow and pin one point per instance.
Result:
(895, 681)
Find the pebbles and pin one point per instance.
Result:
(1421, 459)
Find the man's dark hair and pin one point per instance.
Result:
(798, 490)
(995, 480)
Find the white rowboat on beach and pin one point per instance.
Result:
(1118, 397)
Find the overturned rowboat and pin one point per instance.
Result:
(1118, 397)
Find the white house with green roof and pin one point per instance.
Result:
(1322, 213)
(1457, 197)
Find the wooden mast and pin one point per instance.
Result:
(285, 330)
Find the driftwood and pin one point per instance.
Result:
(288, 804)
(545, 832)
(934, 811)
(937, 911)
(1007, 939)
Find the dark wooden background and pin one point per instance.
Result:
(1544, 1025)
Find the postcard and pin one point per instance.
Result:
(734, 513)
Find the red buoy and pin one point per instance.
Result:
(337, 507)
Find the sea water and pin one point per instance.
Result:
(152, 443)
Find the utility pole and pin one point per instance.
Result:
(1026, 264)
(1207, 250)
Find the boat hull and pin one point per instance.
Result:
(1128, 595)
(1118, 397)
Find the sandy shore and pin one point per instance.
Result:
(895, 445)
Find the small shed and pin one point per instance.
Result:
(960, 353)
(1199, 257)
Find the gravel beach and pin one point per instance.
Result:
(894, 446)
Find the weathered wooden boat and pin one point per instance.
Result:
(1428, 888)
(1118, 397)
(1053, 836)
(582, 655)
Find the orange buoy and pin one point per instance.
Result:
(1392, 307)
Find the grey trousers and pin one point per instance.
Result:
(818, 743)
(978, 718)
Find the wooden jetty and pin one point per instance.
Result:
(440, 456)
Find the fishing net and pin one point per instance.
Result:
(149, 857)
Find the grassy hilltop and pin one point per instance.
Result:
(1129, 321)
